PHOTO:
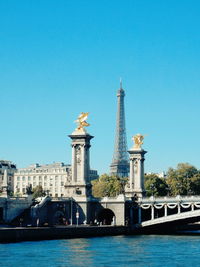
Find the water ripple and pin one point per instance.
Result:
(141, 251)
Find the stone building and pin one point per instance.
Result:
(52, 177)
(11, 169)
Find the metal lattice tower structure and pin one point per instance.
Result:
(120, 162)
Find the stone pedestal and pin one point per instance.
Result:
(80, 185)
(135, 186)
(5, 185)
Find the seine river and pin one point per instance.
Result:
(139, 251)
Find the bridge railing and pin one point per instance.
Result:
(166, 199)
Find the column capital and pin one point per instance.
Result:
(137, 151)
(75, 137)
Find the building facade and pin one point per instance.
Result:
(52, 177)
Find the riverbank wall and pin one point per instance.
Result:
(63, 232)
(18, 234)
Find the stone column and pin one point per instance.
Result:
(136, 179)
(73, 163)
(80, 183)
(192, 207)
(83, 175)
(152, 212)
(131, 175)
(139, 215)
(165, 207)
(179, 208)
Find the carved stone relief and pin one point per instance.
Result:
(135, 163)
(78, 154)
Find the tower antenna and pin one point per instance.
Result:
(120, 83)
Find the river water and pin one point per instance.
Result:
(150, 250)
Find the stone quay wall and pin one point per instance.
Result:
(63, 232)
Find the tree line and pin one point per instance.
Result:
(182, 180)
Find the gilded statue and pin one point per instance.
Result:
(138, 140)
(81, 121)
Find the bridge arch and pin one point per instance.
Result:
(106, 216)
(58, 217)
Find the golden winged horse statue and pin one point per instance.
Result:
(81, 121)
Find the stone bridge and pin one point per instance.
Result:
(159, 212)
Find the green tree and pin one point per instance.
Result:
(183, 179)
(38, 191)
(195, 185)
(155, 186)
(110, 186)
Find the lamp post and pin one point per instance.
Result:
(152, 187)
(71, 221)
(168, 190)
(77, 215)
(189, 192)
(179, 188)
(187, 184)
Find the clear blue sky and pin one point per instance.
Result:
(58, 58)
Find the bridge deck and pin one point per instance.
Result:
(189, 215)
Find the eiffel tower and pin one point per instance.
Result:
(120, 162)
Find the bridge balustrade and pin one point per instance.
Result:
(152, 208)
